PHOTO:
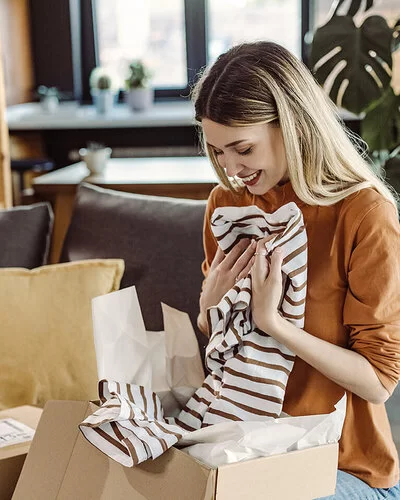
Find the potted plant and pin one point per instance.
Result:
(103, 89)
(140, 93)
(354, 61)
(49, 98)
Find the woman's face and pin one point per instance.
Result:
(255, 154)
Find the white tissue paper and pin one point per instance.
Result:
(167, 362)
(230, 442)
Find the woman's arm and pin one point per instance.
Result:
(347, 368)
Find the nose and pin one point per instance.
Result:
(231, 166)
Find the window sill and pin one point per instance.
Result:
(31, 116)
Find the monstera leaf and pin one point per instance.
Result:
(380, 127)
(353, 63)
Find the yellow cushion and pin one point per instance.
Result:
(46, 337)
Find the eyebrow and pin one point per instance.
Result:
(234, 143)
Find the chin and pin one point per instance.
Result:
(259, 189)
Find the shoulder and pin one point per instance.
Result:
(367, 204)
(369, 211)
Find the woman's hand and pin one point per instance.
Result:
(225, 270)
(266, 287)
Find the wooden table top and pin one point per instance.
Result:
(131, 173)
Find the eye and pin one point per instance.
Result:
(217, 152)
(246, 151)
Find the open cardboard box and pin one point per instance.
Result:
(62, 464)
(12, 457)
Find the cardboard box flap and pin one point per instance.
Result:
(314, 467)
(51, 449)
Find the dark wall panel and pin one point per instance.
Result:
(53, 29)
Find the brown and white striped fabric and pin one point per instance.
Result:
(130, 426)
(248, 368)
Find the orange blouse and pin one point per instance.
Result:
(352, 301)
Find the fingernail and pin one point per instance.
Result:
(278, 250)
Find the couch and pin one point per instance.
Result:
(160, 243)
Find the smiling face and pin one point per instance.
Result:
(255, 154)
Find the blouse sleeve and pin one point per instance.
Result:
(372, 304)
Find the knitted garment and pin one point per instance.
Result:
(248, 368)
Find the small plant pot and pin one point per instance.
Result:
(103, 100)
(140, 99)
(49, 103)
(96, 160)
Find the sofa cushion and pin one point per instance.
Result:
(46, 336)
(25, 235)
(159, 238)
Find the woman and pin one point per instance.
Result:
(273, 137)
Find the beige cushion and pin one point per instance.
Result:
(46, 337)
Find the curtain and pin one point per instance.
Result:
(5, 171)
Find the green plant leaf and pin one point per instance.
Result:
(380, 127)
(365, 51)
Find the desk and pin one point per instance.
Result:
(181, 177)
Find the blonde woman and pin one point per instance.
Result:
(274, 137)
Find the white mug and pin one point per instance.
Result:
(96, 160)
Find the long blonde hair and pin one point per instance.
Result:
(262, 82)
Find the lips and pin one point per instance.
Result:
(252, 179)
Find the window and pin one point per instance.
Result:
(251, 20)
(178, 37)
(150, 30)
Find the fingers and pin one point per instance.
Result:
(232, 257)
(219, 257)
(260, 268)
(275, 273)
(247, 269)
(243, 260)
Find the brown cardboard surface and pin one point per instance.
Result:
(12, 457)
(62, 464)
(299, 475)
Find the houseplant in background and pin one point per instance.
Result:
(140, 93)
(103, 89)
(351, 56)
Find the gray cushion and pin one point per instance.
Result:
(159, 238)
(25, 235)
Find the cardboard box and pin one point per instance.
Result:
(62, 464)
(12, 457)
